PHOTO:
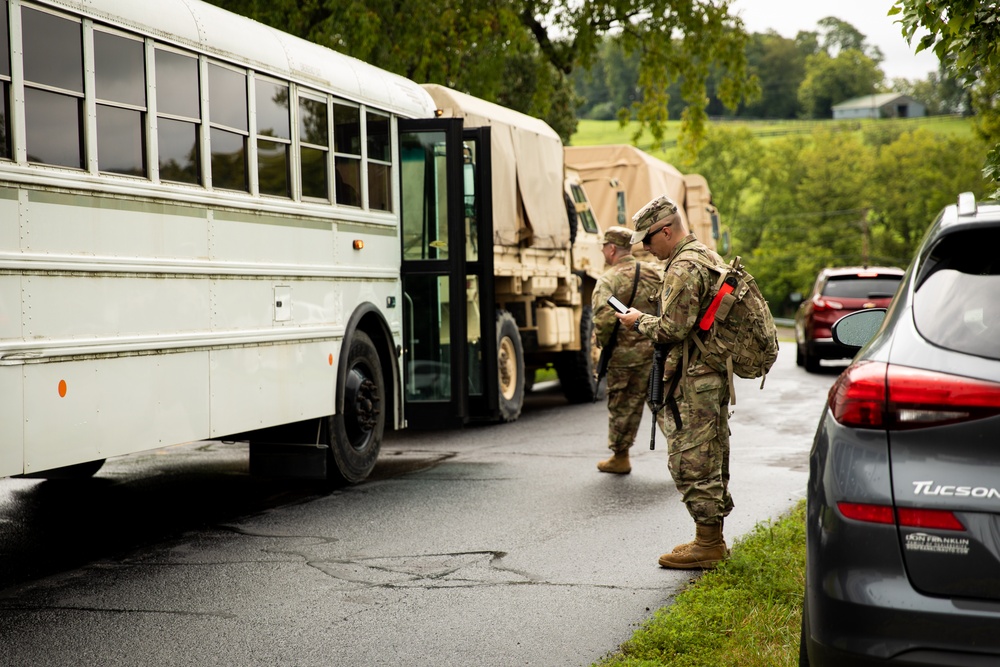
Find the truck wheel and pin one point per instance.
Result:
(510, 367)
(577, 370)
(356, 431)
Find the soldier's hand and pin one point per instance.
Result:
(629, 317)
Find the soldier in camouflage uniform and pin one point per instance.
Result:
(628, 368)
(699, 447)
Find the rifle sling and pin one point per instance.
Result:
(614, 332)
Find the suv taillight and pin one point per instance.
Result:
(821, 304)
(873, 394)
(905, 516)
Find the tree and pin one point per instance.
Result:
(918, 174)
(480, 47)
(731, 161)
(940, 93)
(471, 44)
(840, 36)
(779, 63)
(610, 83)
(678, 40)
(830, 80)
(965, 35)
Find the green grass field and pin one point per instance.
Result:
(746, 612)
(604, 132)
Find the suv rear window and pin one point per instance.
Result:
(859, 287)
(957, 302)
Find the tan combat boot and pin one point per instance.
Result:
(618, 464)
(709, 548)
(687, 545)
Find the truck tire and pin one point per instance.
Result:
(356, 430)
(577, 370)
(510, 367)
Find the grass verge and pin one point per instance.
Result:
(746, 612)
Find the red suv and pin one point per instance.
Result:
(837, 292)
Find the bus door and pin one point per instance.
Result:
(446, 288)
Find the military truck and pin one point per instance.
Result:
(636, 177)
(533, 245)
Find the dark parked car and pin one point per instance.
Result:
(837, 292)
(903, 518)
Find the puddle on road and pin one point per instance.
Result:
(798, 462)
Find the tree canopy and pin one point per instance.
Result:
(837, 197)
(830, 80)
(800, 77)
(520, 53)
(965, 35)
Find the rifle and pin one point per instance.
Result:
(656, 386)
(609, 349)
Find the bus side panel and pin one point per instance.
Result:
(254, 387)
(78, 411)
(105, 308)
(11, 424)
(77, 224)
(10, 232)
(379, 249)
(10, 307)
(277, 303)
(269, 239)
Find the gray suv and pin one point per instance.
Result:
(903, 527)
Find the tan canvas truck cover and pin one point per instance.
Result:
(528, 205)
(700, 208)
(641, 177)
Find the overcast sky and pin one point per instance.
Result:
(788, 17)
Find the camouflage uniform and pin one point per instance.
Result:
(628, 369)
(699, 450)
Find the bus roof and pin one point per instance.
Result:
(240, 40)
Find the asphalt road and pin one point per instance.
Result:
(492, 545)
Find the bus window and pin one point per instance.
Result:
(53, 94)
(314, 147)
(4, 84)
(347, 146)
(179, 116)
(379, 162)
(120, 77)
(274, 138)
(228, 127)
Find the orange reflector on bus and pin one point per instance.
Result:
(358, 244)
(62, 388)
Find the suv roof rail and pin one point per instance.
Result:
(967, 203)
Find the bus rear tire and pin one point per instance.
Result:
(356, 430)
(510, 367)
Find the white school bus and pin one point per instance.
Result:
(212, 230)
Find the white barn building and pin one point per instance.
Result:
(883, 105)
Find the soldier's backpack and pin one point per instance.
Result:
(736, 335)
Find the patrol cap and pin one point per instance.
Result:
(620, 236)
(659, 209)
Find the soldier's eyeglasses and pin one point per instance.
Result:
(648, 238)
